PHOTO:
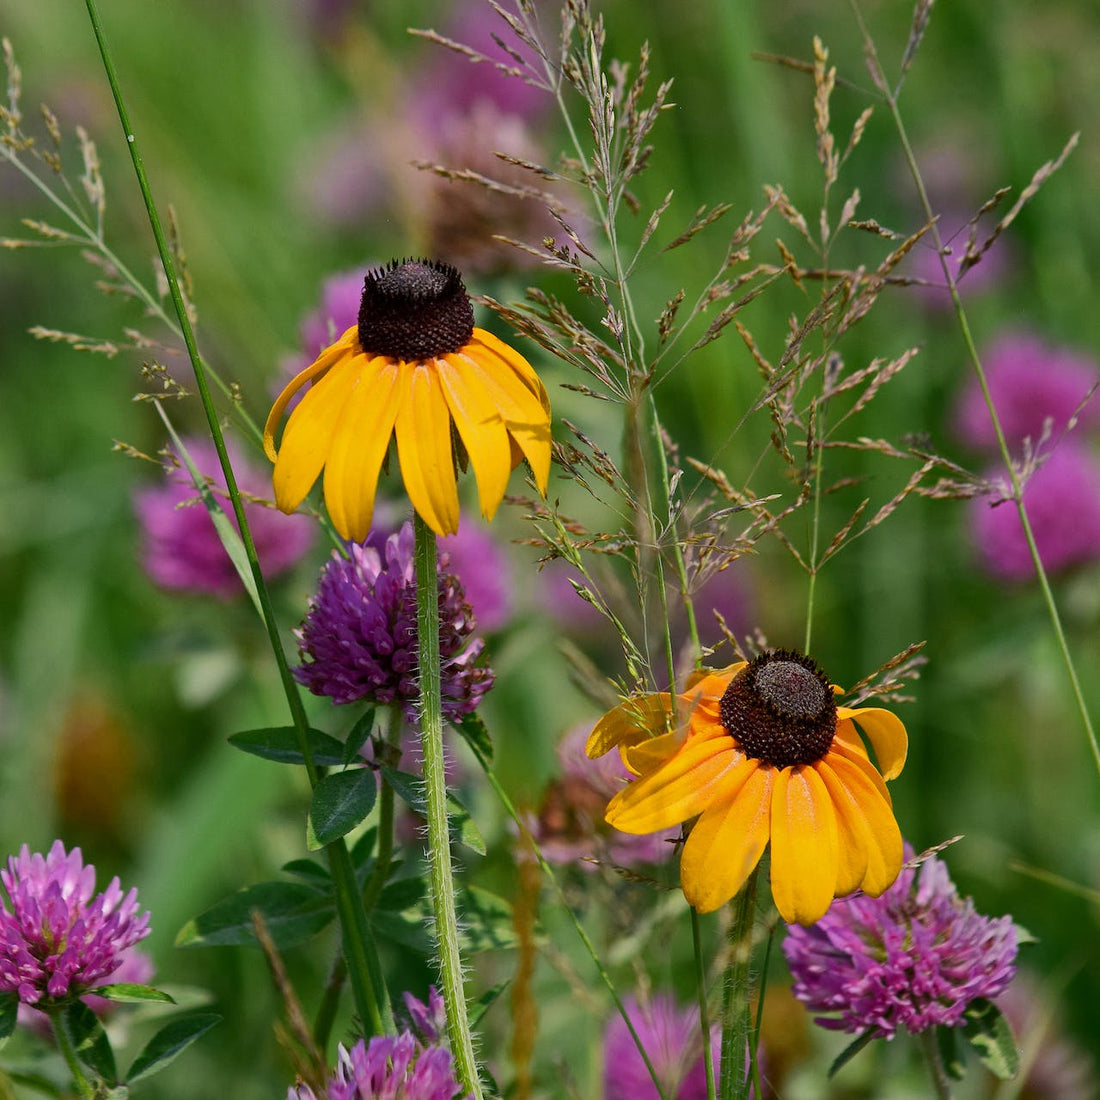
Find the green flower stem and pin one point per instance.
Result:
(64, 1044)
(891, 100)
(440, 869)
(936, 1070)
(384, 857)
(567, 908)
(368, 986)
(736, 1020)
(704, 1008)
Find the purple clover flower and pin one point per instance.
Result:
(57, 941)
(671, 1038)
(1030, 382)
(1063, 505)
(915, 957)
(180, 547)
(358, 640)
(390, 1068)
(429, 1021)
(570, 825)
(338, 311)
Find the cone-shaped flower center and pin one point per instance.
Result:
(780, 709)
(414, 309)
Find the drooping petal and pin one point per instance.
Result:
(346, 345)
(652, 752)
(682, 787)
(525, 416)
(884, 842)
(635, 719)
(360, 445)
(886, 733)
(517, 362)
(726, 843)
(857, 757)
(481, 428)
(423, 430)
(853, 832)
(309, 433)
(805, 859)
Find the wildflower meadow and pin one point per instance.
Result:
(550, 549)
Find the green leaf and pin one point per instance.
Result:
(401, 894)
(486, 1001)
(362, 851)
(475, 733)
(951, 1054)
(292, 912)
(357, 737)
(89, 1040)
(126, 993)
(404, 929)
(410, 789)
(850, 1051)
(280, 744)
(485, 921)
(310, 872)
(170, 1042)
(989, 1033)
(9, 1008)
(340, 802)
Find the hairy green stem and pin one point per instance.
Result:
(930, 1049)
(64, 1044)
(440, 869)
(891, 100)
(704, 1008)
(736, 995)
(371, 999)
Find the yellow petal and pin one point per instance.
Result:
(682, 787)
(726, 843)
(360, 445)
(858, 759)
(525, 415)
(517, 362)
(651, 753)
(853, 833)
(309, 433)
(712, 683)
(633, 720)
(886, 732)
(805, 860)
(348, 344)
(883, 837)
(423, 430)
(481, 427)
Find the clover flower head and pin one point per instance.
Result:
(180, 546)
(671, 1039)
(1031, 382)
(428, 1020)
(358, 640)
(1063, 506)
(915, 957)
(762, 756)
(58, 940)
(388, 1068)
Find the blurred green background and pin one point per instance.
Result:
(277, 132)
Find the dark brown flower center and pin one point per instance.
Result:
(780, 709)
(414, 309)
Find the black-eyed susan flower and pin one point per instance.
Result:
(762, 754)
(416, 369)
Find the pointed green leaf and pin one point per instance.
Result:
(989, 1033)
(89, 1040)
(486, 1001)
(485, 921)
(850, 1051)
(310, 872)
(357, 737)
(401, 894)
(9, 1008)
(280, 744)
(340, 802)
(410, 789)
(292, 912)
(126, 993)
(951, 1053)
(170, 1042)
(475, 733)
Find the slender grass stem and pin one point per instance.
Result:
(736, 1020)
(440, 869)
(567, 908)
(891, 100)
(368, 986)
(704, 1008)
(64, 1044)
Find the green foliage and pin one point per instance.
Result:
(341, 801)
(280, 744)
(169, 1043)
(291, 912)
